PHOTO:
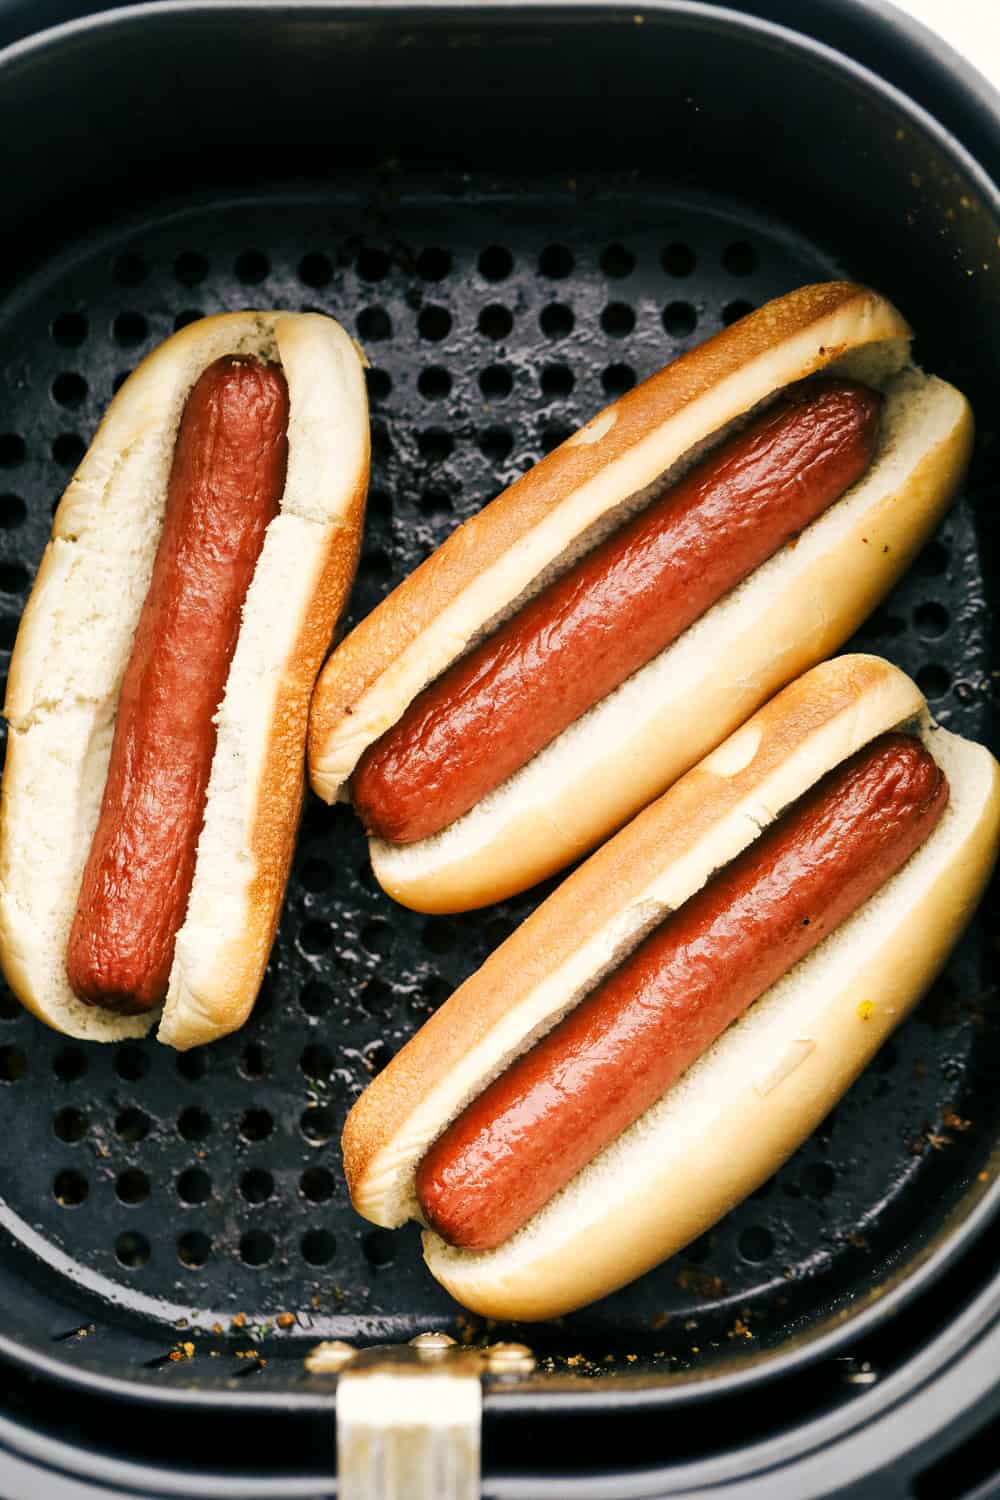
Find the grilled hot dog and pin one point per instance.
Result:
(572, 649)
(550, 1113)
(226, 482)
(670, 1024)
(159, 686)
(615, 610)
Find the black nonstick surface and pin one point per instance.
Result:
(161, 1196)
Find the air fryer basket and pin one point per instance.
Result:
(520, 213)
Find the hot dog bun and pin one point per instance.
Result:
(790, 613)
(75, 639)
(766, 1083)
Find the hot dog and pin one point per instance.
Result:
(159, 686)
(614, 610)
(529, 688)
(618, 1051)
(669, 1025)
(226, 482)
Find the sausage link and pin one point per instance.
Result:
(615, 610)
(226, 481)
(618, 1052)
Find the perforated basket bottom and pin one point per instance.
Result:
(205, 1185)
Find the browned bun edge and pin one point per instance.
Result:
(766, 1082)
(74, 641)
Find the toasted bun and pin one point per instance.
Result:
(793, 611)
(74, 642)
(765, 1084)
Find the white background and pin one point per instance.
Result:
(971, 26)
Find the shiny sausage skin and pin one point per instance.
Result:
(226, 481)
(613, 1056)
(615, 610)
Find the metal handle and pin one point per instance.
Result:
(409, 1417)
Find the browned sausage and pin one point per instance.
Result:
(615, 610)
(226, 482)
(558, 1106)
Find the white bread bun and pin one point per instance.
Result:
(739, 1112)
(790, 613)
(75, 639)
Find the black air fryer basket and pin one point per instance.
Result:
(521, 211)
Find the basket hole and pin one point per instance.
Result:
(318, 1247)
(68, 449)
(556, 262)
(317, 1184)
(132, 1186)
(315, 999)
(256, 1248)
(186, 317)
(555, 433)
(379, 1247)
(315, 269)
(129, 329)
(739, 258)
(495, 263)
(931, 619)
(617, 261)
(318, 1124)
(375, 995)
(379, 508)
(131, 1063)
(818, 1179)
(69, 1063)
(12, 450)
(194, 1186)
(190, 268)
(256, 1185)
(557, 380)
(438, 935)
(315, 938)
(678, 259)
(132, 1125)
(374, 325)
(253, 1062)
(256, 1125)
(69, 389)
(372, 265)
(132, 1249)
(618, 320)
(379, 384)
(434, 383)
(496, 382)
(13, 578)
(251, 267)
(193, 1248)
(495, 444)
(434, 323)
(434, 503)
(933, 560)
(433, 264)
(13, 512)
(699, 1250)
(435, 990)
(130, 269)
(556, 320)
(933, 680)
(70, 1188)
(316, 1061)
(69, 330)
(70, 1125)
(756, 1244)
(435, 445)
(194, 1124)
(495, 321)
(734, 311)
(192, 1065)
(679, 319)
